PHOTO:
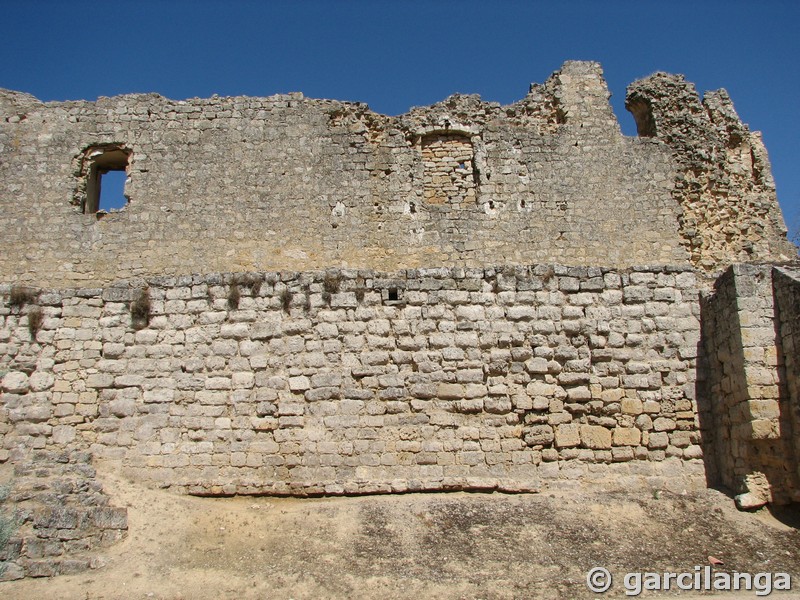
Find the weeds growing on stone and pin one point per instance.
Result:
(286, 300)
(20, 296)
(140, 309)
(250, 281)
(331, 283)
(35, 319)
(234, 296)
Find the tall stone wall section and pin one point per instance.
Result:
(356, 381)
(787, 300)
(299, 299)
(724, 185)
(290, 183)
(55, 514)
(752, 413)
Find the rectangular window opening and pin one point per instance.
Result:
(105, 187)
(112, 191)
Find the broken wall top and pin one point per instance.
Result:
(290, 183)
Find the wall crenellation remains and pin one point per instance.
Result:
(304, 297)
(289, 183)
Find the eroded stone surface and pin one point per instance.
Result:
(290, 183)
(189, 340)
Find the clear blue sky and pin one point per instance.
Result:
(394, 55)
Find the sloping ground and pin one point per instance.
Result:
(418, 545)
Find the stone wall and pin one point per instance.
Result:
(298, 299)
(356, 381)
(729, 209)
(787, 300)
(54, 513)
(750, 407)
(286, 182)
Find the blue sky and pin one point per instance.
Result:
(394, 55)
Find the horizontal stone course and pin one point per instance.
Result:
(468, 386)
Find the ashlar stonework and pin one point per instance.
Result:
(304, 297)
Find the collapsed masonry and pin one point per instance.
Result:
(305, 297)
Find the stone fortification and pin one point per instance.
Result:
(729, 212)
(300, 298)
(750, 333)
(285, 182)
(355, 381)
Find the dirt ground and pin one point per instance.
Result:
(456, 545)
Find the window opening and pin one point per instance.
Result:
(112, 191)
(106, 177)
(642, 112)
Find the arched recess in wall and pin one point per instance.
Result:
(95, 162)
(642, 111)
(450, 176)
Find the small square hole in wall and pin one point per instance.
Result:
(393, 295)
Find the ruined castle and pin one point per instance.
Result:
(304, 297)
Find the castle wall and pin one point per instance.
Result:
(299, 299)
(729, 211)
(749, 367)
(787, 299)
(289, 183)
(355, 381)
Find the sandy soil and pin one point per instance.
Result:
(457, 545)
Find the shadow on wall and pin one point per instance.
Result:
(747, 392)
(705, 417)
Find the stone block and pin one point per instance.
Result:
(539, 435)
(108, 517)
(664, 424)
(450, 391)
(100, 380)
(578, 394)
(299, 383)
(567, 435)
(763, 429)
(657, 441)
(627, 436)
(764, 409)
(16, 382)
(595, 437)
(497, 405)
(631, 406)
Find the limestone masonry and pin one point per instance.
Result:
(305, 297)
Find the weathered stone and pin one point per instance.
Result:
(567, 435)
(299, 384)
(450, 391)
(595, 437)
(627, 436)
(15, 382)
(110, 518)
(750, 501)
(539, 435)
(358, 380)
